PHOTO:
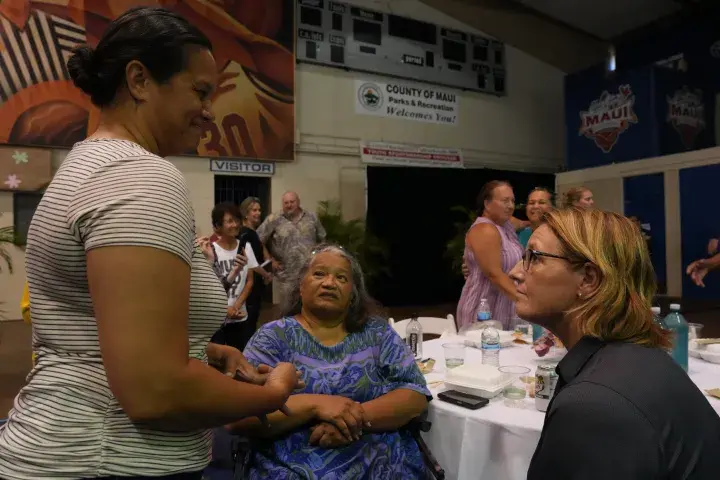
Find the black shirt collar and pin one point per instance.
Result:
(576, 358)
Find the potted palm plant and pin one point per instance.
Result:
(353, 236)
(455, 247)
(8, 239)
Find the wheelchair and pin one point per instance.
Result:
(231, 452)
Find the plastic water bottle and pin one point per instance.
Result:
(484, 313)
(657, 317)
(537, 332)
(414, 337)
(676, 324)
(490, 345)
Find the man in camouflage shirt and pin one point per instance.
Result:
(289, 236)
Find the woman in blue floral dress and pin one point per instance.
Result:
(361, 384)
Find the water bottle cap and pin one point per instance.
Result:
(655, 310)
(674, 306)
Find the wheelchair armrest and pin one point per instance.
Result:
(419, 423)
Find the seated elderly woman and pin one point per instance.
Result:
(361, 383)
(622, 409)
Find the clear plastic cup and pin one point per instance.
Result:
(454, 354)
(515, 392)
(694, 331)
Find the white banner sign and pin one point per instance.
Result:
(406, 101)
(380, 153)
(239, 167)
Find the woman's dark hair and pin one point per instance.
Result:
(546, 190)
(156, 37)
(220, 210)
(362, 306)
(486, 193)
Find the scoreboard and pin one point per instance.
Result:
(336, 34)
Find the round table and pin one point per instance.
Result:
(496, 441)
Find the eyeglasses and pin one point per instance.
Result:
(530, 256)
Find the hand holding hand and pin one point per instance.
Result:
(346, 415)
(230, 360)
(327, 435)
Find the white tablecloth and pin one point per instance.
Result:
(497, 442)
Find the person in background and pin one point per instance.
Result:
(580, 197)
(123, 301)
(623, 409)
(491, 250)
(539, 202)
(25, 304)
(699, 269)
(712, 247)
(250, 213)
(289, 236)
(236, 330)
(25, 312)
(362, 384)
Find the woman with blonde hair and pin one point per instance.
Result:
(581, 197)
(622, 408)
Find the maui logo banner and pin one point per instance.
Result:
(253, 47)
(686, 113)
(406, 101)
(609, 116)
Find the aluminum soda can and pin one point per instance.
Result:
(545, 381)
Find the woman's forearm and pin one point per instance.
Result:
(201, 397)
(233, 274)
(394, 410)
(245, 293)
(713, 262)
(505, 284)
(302, 412)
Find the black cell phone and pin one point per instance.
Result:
(464, 400)
(244, 240)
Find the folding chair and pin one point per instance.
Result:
(430, 325)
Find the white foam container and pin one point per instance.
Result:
(486, 387)
(712, 357)
(475, 390)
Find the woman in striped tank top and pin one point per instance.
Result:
(491, 251)
(123, 300)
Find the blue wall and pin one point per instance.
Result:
(641, 113)
(651, 132)
(699, 221)
(645, 199)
